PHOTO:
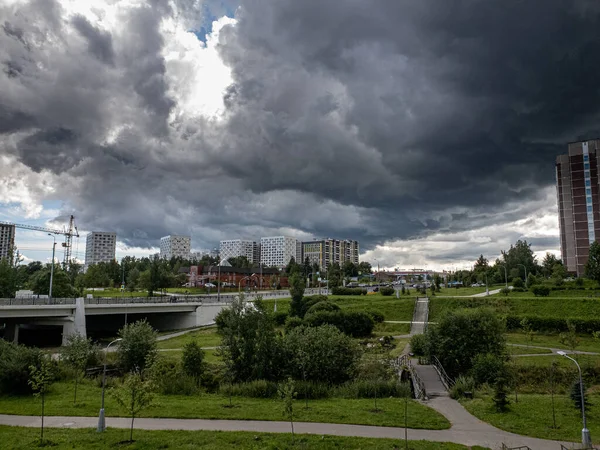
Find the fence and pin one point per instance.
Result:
(32, 301)
(522, 447)
(404, 362)
(446, 380)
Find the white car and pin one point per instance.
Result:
(210, 285)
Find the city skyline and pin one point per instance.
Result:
(155, 121)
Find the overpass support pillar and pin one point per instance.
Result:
(77, 325)
(11, 333)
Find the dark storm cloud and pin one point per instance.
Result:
(375, 120)
(99, 42)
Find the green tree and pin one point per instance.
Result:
(61, 283)
(569, 337)
(520, 253)
(40, 379)
(459, 336)
(548, 264)
(138, 346)
(249, 345)
(133, 278)
(240, 262)
(364, 268)
(193, 360)
(592, 267)
(575, 394)
(334, 275)
(76, 353)
(527, 329)
(287, 393)
(296, 283)
(500, 398)
(322, 354)
(349, 269)
(306, 267)
(292, 266)
(134, 395)
(8, 278)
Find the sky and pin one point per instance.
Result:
(425, 130)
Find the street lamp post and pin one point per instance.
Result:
(586, 439)
(101, 421)
(52, 267)
(505, 275)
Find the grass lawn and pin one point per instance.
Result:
(18, 438)
(532, 416)
(383, 329)
(454, 292)
(512, 350)
(174, 355)
(391, 307)
(59, 401)
(587, 293)
(520, 306)
(583, 360)
(206, 337)
(586, 342)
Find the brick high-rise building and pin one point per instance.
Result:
(578, 202)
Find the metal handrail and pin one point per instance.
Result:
(522, 447)
(446, 380)
(34, 301)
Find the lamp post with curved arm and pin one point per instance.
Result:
(52, 267)
(101, 421)
(586, 439)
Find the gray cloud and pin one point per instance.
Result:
(373, 120)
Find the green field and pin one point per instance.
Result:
(513, 350)
(206, 337)
(59, 401)
(575, 293)
(384, 329)
(532, 416)
(583, 308)
(61, 438)
(113, 293)
(546, 361)
(586, 342)
(461, 291)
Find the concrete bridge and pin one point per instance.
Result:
(93, 315)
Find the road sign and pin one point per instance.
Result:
(122, 287)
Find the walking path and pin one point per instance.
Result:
(164, 337)
(420, 316)
(553, 350)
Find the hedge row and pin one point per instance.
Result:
(352, 323)
(553, 324)
(348, 291)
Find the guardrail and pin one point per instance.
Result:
(34, 301)
(404, 361)
(446, 380)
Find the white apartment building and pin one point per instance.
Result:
(240, 247)
(278, 250)
(100, 247)
(175, 246)
(7, 240)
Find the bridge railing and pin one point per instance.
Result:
(404, 362)
(32, 301)
(446, 380)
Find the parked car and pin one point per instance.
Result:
(210, 285)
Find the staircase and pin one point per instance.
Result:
(420, 316)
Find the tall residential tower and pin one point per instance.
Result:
(175, 246)
(100, 247)
(7, 240)
(578, 204)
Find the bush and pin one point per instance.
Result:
(552, 324)
(353, 323)
(252, 389)
(376, 316)
(293, 322)
(192, 360)
(169, 379)
(519, 289)
(309, 302)
(368, 389)
(505, 291)
(212, 376)
(518, 283)
(486, 368)
(313, 390)
(15, 361)
(461, 385)
(323, 306)
(138, 346)
(348, 291)
(540, 291)
(387, 291)
(280, 317)
(322, 354)
(418, 344)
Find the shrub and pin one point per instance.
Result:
(486, 368)
(15, 361)
(368, 389)
(387, 291)
(531, 280)
(169, 379)
(309, 302)
(192, 360)
(348, 291)
(505, 291)
(353, 323)
(552, 324)
(540, 291)
(252, 389)
(461, 385)
(518, 282)
(418, 344)
(211, 376)
(575, 395)
(519, 289)
(280, 317)
(323, 306)
(293, 322)
(322, 354)
(376, 316)
(138, 346)
(312, 390)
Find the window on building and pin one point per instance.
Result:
(588, 183)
